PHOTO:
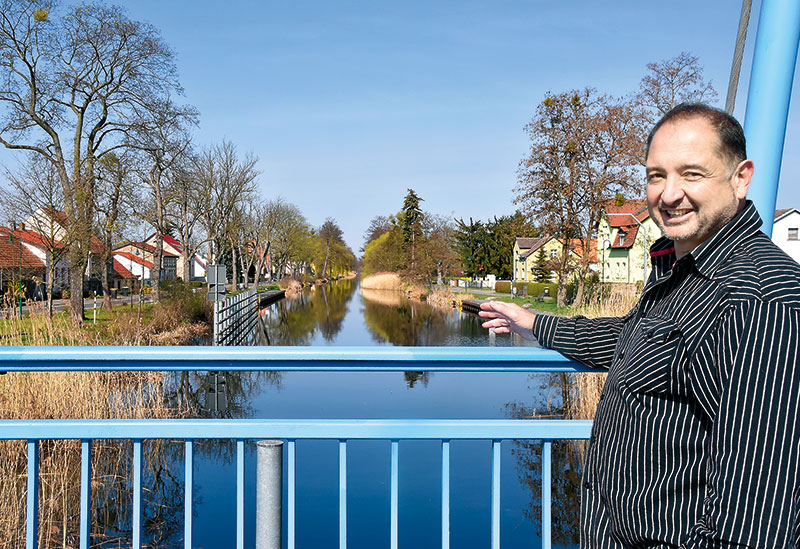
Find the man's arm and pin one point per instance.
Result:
(589, 341)
(752, 494)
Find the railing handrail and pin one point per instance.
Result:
(328, 429)
(378, 359)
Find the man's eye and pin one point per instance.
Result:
(692, 176)
(654, 178)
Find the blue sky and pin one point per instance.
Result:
(349, 103)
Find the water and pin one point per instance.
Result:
(341, 314)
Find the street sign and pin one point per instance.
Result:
(216, 278)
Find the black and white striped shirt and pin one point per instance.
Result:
(696, 440)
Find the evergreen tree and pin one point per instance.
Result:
(411, 219)
(540, 271)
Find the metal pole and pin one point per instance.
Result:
(768, 98)
(269, 494)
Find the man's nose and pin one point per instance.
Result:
(673, 191)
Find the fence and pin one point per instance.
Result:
(241, 430)
(235, 317)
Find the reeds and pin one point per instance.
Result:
(585, 388)
(84, 395)
(382, 281)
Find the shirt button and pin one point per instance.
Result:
(602, 396)
(587, 485)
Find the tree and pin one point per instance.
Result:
(384, 253)
(378, 225)
(671, 82)
(114, 174)
(585, 148)
(34, 194)
(470, 244)
(224, 182)
(410, 220)
(163, 138)
(329, 235)
(72, 82)
(541, 271)
(437, 254)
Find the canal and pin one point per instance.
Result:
(344, 314)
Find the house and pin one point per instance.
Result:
(624, 236)
(197, 263)
(526, 254)
(785, 231)
(134, 264)
(128, 251)
(17, 259)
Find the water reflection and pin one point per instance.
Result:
(320, 310)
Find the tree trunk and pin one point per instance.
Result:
(155, 274)
(561, 292)
(51, 269)
(76, 291)
(186, 265)
(106, 282)
(234, 269)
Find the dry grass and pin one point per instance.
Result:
(585, 388)
(67, 395)
(70, 395)
(383, 281)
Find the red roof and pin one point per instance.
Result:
(146, 247)
(622, 216)
(531, 244)
(135, 259)
(120, 269)
(10, 255)
(172, 242)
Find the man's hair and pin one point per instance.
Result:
(732, 146)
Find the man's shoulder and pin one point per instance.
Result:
(758, 269)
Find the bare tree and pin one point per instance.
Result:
(115, 174)
(34, 195)
(585, 148)
(223, 181)
(71, 82)
(671, 82)
(162, 136)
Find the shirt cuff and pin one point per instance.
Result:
(544, 329)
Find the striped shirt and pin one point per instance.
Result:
(696, 439)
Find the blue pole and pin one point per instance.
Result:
(768, 98)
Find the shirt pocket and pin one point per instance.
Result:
(654, 357)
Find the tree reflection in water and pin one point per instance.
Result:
(566, 467)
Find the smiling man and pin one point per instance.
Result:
(696, 438)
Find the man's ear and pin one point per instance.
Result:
(741, 178)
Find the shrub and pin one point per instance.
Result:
(502, 286)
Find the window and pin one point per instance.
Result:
(793, 234)
(553, 254)
(622, 235)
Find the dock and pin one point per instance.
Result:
(270, 296)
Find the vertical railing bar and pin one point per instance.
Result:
(290, 497)
(445, 494)
(342, 494)
(137, 494)
(240, 494)
(394, 494)
(496, 494)
(188, 496)
(546, 486)
(32, 519)
(86, 492)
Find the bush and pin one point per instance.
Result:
(502, 287)
(179, 296)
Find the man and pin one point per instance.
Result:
(696, 437)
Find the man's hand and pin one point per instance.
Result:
(507, 317)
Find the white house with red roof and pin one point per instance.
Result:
(197, 263)
(624, 236)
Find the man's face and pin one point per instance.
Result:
(692, 191)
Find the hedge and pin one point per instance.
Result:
(534, 288)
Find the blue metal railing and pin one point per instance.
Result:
(285, 359)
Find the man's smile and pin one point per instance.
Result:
(676, 215)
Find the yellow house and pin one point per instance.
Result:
(526, 252)
(624, 236)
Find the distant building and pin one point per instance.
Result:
(624, 236)
(526, 254)
(786, 232)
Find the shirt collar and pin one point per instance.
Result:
(711, 253)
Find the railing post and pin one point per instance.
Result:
(269, 495)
